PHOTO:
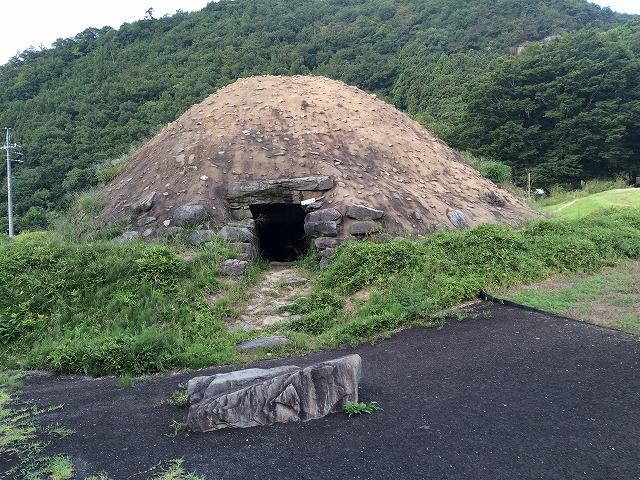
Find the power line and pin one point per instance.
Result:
(8, 146)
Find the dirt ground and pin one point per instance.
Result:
(506, 394)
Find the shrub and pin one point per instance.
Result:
(495, 171)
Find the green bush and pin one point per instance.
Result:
(497, 172)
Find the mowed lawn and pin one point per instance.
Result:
(620, 198)
(610, 297)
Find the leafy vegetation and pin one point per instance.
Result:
(564, 111)
(78, 107)
(105, 308)
(358, 408)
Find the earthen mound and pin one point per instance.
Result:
(311, 143)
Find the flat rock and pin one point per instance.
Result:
(364, 227)
(262, 342)
(284, 190)
(328, 242)
(254, 397)
(362, 212)
(326, 214)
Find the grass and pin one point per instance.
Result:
(19, 431)
(580, 207)
(21, 442)
(128, 310)
(610, 298)
(173, 471)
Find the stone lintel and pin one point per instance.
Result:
(284, 190)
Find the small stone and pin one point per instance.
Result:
(127, 237)
(190, 215)
(145, 221)
(234, 267)
(199, 237)
(236, 234)
(166, 223)
(457, 219)
(144, 205)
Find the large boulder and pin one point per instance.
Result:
(190, 215)
(236, 234)
(324, 215)
(253, 397)
(327, 228)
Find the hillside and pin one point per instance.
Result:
(87, 99)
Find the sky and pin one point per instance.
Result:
(27, 23)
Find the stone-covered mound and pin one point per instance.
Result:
(267, 141)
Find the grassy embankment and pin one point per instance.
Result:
(104, 308)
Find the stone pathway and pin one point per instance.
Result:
(277, 287)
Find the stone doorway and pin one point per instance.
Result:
(280, 231)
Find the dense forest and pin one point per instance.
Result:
(566, 107)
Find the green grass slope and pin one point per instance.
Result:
(581, 207)
(105, 308)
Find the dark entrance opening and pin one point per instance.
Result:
(280, 231)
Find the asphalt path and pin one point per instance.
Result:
(508, 394)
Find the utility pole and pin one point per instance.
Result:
(8, 146)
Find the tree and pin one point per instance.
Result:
(563, 111)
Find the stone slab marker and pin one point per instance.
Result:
(253, 397)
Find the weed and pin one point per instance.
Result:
(11, 381)
(59, 431)
(126, 381)
(178, 428)
(357, 408)
(176, 472)
(180, 397)
(18, 434)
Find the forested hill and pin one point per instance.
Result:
(87, 99)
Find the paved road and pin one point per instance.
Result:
(515, 394)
